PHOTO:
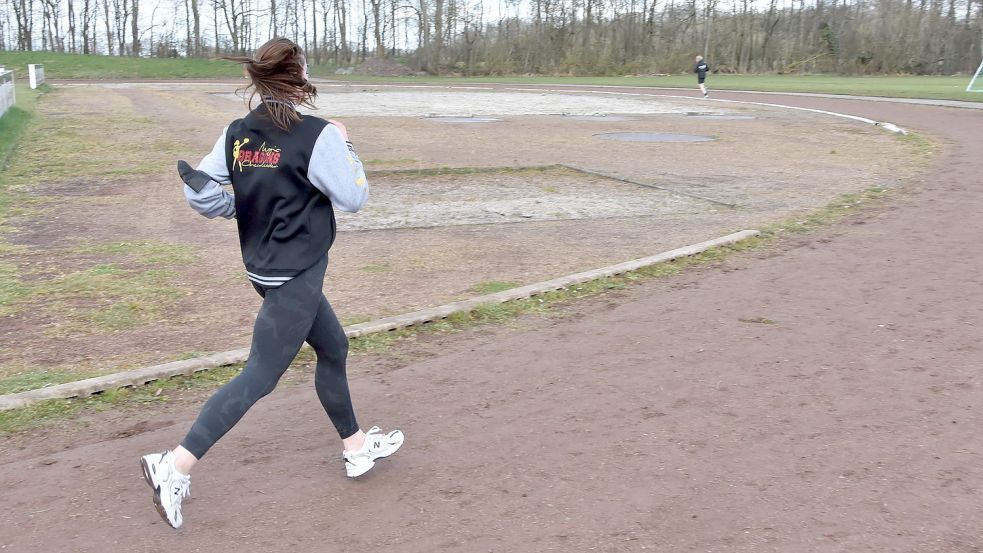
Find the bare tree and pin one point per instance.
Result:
(380, 47)
(135, 28)
(24, 15)
(109, 31)
(234, 14)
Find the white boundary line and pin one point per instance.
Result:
(139, 377)
(885, 125)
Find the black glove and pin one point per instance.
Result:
(193, 178)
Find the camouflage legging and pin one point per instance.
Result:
(294, 313)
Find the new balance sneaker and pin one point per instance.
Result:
(169, 486)
(377, 446)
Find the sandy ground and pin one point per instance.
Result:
(430, 236)
(667, 417)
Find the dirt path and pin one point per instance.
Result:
(653, 419)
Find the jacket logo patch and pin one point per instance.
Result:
(263, 157)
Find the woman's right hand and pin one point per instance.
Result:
(341, 127)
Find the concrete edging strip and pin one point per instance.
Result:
(139, 377)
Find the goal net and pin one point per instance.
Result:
(976, 84)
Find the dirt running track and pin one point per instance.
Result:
(657, 418)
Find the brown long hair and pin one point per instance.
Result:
(276, 72)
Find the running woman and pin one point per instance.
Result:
(288, 171)
(701, 69)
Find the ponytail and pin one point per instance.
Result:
(276, 74)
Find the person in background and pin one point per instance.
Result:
(701, 69)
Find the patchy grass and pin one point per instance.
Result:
(492, 286)
(376, 268)
(148, 252)
(444, 170)
(15, 121)
(921, 148)
(13, 125)
(12, 289)
(131, 286)
(106, 297)
(31, 379)
(122, 311)
(355, 319)
(39, 414)
(400, 161)
(492, 313)
(758, 320)
(498, 312)
(834, 211)
(69, 148)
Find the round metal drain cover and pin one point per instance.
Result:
(599, 117)
(451, 119)
(653, 137)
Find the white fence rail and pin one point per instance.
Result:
(7, 95)
(35, 72)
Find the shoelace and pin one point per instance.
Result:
(182, 488)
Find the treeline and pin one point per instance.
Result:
(477, 37)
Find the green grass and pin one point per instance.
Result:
(76, 66)
(376, 268)
(38, 378)
(39, 414)
(15, 121)
(12, 289)
(148, 252)
(944, 88)
(492, 286)
(130, 285)
(69, 147)
(103, 297)
(12, 127)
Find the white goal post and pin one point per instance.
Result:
(973, 81)
(35, 73)
(7, 95)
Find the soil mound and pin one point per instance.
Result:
(381, 67)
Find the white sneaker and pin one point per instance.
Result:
(169, 486)
(377, 446)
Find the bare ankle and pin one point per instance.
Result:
(354, 442)
(184, 460)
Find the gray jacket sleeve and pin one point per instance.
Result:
(213, 200)
(337, 172)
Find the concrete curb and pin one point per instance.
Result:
(139, 377)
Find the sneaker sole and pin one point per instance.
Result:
(150, 482)
(375, 460)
